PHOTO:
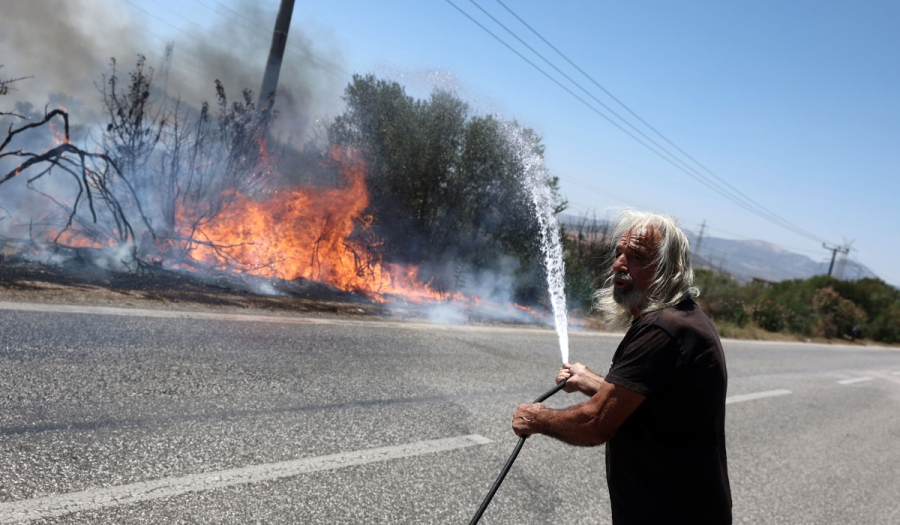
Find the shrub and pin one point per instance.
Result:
(836, 316)
(735, 311)
(771, 316)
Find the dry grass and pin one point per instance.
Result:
(751, 331)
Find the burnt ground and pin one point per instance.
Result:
(79, 282)
(75, 282)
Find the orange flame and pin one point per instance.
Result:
(305, 233)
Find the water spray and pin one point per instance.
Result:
(511, 460)
(535, 181)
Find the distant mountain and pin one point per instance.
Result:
(745, 260)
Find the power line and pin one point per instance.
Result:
(639, 205)
(597, 190)
(733, 195)
(295, 49)
(199, 61)
(628, 109)
(747, 201)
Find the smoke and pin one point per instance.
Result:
(482, 294)
(67, 46)
(66, 50)
(64, 46)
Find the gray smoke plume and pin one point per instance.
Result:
(67, 46)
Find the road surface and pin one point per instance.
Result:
(130, 416)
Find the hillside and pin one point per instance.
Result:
(744, 259)
(748, 260)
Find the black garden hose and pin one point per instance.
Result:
(511, 460)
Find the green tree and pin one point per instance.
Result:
(445, 187)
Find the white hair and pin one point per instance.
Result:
(673, 280)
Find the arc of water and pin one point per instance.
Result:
(535, 182)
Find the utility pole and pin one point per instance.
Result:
(699, 239)
(276, 54)
(842, 262)
(834, 252)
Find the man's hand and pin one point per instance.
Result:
(526, 419)
(578, 379)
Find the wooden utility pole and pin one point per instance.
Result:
(276, 54)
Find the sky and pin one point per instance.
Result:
(795, 105)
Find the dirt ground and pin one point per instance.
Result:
(77, 283)
(80, 283)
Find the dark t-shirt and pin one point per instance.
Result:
(666, 463)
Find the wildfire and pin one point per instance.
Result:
(308, 233)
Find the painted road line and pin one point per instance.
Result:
(756, 395)
(854, 380)
(285, 319)
(62, 504)
(896, 373)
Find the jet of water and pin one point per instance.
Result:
(535, 182)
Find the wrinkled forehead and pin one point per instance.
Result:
(641, 239)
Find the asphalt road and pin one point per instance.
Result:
(188, 419)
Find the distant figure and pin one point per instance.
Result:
(661, 408)
(855, 332)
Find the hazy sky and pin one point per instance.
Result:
(794, 104)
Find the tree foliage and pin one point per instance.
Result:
(819, 306)
(446, 187)
(588, 255)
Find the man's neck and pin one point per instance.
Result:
(636, 312)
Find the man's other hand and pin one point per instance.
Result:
(526, 419)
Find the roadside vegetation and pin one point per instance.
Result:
(444, 186)
(818, 307)
(444, 194)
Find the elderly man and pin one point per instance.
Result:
(661, 408)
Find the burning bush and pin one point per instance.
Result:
(418, 198)
(93, 178)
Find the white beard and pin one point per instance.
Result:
(630, 299)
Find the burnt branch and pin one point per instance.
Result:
(13, 131)
(93, 182)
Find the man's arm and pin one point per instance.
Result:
(585, 424)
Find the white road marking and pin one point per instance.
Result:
(147, 312)
(854, 380)
(756, 395)
(536, 329)
(62, 504)
(895, 373)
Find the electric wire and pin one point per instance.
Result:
(628, 109)
(760, 210)
(740, 199)
(629, 202)
(614, 113)
(580, 99)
